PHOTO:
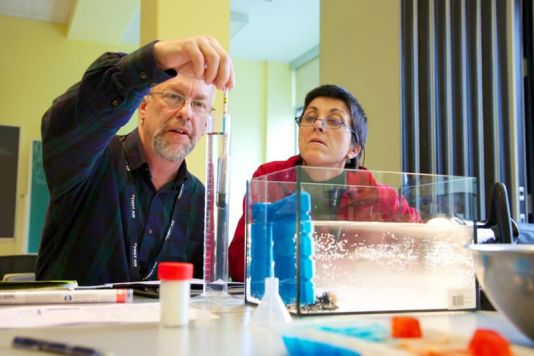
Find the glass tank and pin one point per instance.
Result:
(359, 241)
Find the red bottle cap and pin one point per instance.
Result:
(175, 271)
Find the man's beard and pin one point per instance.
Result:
(173, 152)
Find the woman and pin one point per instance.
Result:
(332, 134)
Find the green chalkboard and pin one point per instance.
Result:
(39, 198)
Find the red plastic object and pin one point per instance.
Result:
(488, 343)
(175, 271)
(405, 326)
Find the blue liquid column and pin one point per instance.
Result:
(285, 249)
(261, 251)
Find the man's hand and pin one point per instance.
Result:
(200, 57)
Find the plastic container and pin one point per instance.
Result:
(174, 293)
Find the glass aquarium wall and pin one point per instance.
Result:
(349, 241)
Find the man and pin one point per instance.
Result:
(120, 205)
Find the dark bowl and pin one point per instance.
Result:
(506, 274)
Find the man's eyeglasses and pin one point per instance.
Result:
(175, 101)
(329, 123)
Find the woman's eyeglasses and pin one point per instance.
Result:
(328, 123)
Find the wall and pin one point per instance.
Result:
(261, 107)
(281, 127)
(40, 64)
(360, 50)
(37, 65)
(247, 106)
(306, 78)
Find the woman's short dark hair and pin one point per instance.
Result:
(358, 117)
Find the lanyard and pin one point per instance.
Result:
(133, 239)
(134, 245)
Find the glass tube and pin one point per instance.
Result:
(216, 209)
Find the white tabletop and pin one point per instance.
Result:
(230, 334)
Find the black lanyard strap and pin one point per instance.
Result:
(168, 234)
(132, 239)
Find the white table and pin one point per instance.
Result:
(230, 335)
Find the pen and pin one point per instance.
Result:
(29, 343)
(66, 296)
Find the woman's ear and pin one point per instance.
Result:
(354, 151)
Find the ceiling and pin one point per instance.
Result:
(274, 30)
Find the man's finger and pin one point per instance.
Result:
(225, 75)
(224, 78)
(211, 59)
(197, 60)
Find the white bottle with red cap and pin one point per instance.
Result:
(174, 293)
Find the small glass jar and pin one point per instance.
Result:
(174, 293)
